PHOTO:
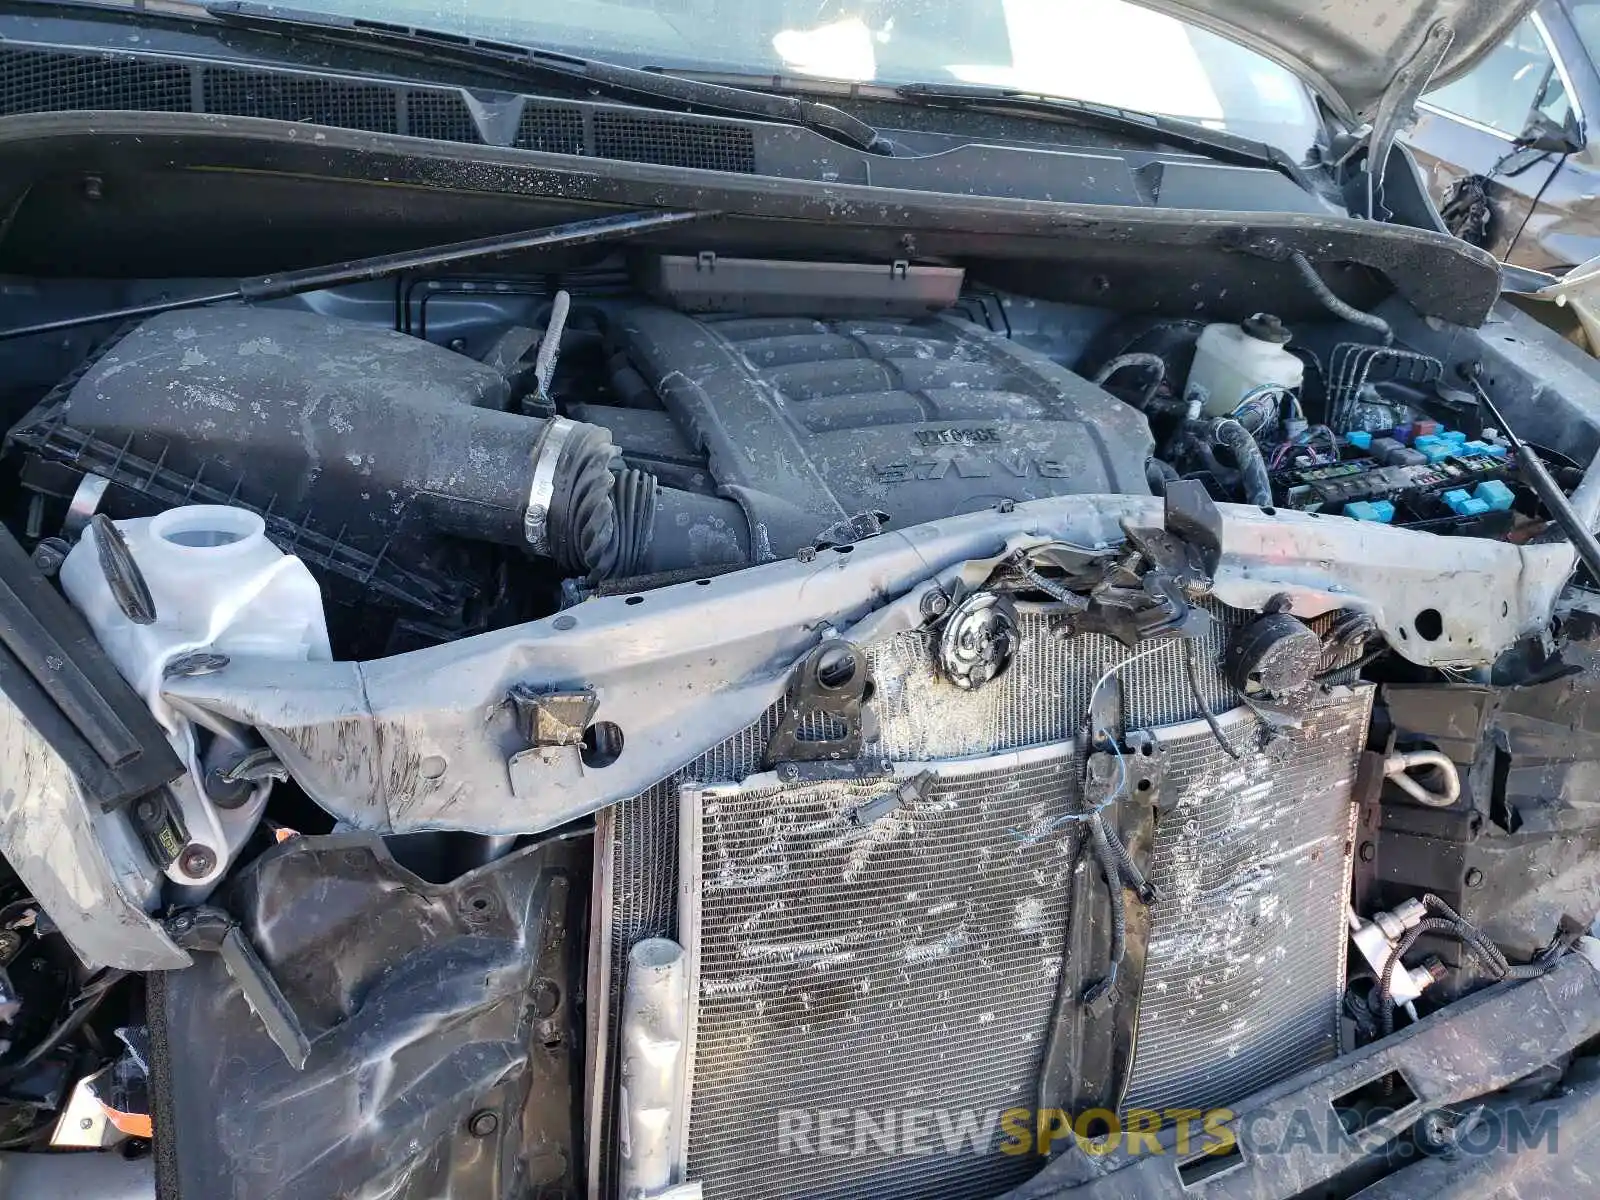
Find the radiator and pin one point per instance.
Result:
(1039, 705)
(1244, 968)
(910, 962)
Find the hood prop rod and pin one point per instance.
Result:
(362, 270)
(1539, 478)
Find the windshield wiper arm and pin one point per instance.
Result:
(1182, 135)
(521, 64)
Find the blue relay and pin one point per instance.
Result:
(1496, 495)
(1442, 476)
(1370, 510)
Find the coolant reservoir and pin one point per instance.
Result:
(1231, 361)
(218, 585)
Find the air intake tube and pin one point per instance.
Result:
(383, 439)
(607, 522)
(553, 486)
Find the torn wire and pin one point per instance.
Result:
(1088, 815)
(1192, 669)
(1056, 590)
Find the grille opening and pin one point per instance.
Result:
(42, 80)
(1373, 1102)
(1197, 1168)
(441, 116)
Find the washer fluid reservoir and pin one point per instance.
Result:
(218, 586)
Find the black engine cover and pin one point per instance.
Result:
(808, 423)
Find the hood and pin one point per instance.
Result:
(1350, 51)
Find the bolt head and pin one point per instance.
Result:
(1434, 1129)
(197, 861)
(85, 1122)
(49, 554)
(1474, 877)
(1368, 852)
(483, 1123)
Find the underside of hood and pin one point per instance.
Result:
(1350, 51)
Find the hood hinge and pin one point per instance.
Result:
(1395, 109)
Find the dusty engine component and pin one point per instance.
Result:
(857, 788)
(978, 640)
(382, 436)
(812, 423)
(1275, 655)
(810, 433)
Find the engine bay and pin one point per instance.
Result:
(674, 443)
(402, 464)
(777, 660)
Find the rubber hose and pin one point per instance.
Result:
(692, 529)
(1157, 474)
(583, 509)
(635, 493)
(1336, 306)
(1254, 479)
(629, 385)
(544, 368)
(1150, 362)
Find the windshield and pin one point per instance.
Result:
(1106, 51)
(1586, 20)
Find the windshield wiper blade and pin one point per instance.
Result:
(521, 64)
(1182, 135)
